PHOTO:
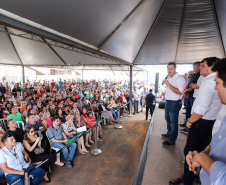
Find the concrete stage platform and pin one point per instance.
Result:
(163, 163)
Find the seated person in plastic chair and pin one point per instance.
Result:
(13, 164)
(58, 138)
(2, 175)
(38, 127)
(17, 133)
(71, 131)
(32, 123)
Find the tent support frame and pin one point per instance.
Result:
(160, 11)
(181, 27)
(33, 33)
(121, 24)
(217, 25)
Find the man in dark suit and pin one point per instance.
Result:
(150, 99)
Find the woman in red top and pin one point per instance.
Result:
(90, 124)
(53, 84)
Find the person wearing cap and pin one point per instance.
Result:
(13, 164)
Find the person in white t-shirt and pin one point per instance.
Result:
(175, 84)
(136, 98)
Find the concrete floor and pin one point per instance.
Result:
(118, 162)
(164, 163)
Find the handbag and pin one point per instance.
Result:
(39, 150)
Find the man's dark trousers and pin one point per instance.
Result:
(199, 137)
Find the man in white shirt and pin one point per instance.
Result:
(136, 97)
(204, 111)
(175, 84)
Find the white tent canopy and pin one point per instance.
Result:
(128, 32)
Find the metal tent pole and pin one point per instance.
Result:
(82, 74)
(23, 74)
(156, 82)
(130, 91)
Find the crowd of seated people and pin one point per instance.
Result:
(55, 110)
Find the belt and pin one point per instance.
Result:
(173, 100)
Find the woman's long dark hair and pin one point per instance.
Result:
(26, 131)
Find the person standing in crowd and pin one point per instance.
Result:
(136, 97)
(61, 85)
(212, 159)
(2, 92)
(143, 96)
(150, 100)
(204, 111)
(13, 164)
(190, 92)
(175, 84)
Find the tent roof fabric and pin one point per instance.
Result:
(156, 32)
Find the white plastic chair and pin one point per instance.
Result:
(18, 124)
(53, 148)
(103, 118)
(3, 123)
(18, 109)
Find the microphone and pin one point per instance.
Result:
(165, 78)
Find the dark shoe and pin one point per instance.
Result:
(176, 182)
(49, 178)
(141, 111)
(183, 125)
(101, 137)
(137, 112)
(165, 135)
(69, 164)
(185, 130)
(134, 113)
(167, 143)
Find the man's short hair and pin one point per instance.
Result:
(210, 61)
(172, 63)
(150, 90)
(29, 115)
(54, 118)
(5, 137)
(9, 121)
(197, 63)
(220, 67)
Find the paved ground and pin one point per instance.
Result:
(164, 163)
(116, 165)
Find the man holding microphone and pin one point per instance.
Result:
(175, 84)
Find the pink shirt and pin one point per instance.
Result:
(49, 123)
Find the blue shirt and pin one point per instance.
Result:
(14, 158)
(37, 126)
(81, 95)
(194, 80)
(55, 133)
(218, 154)
(144, 93)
